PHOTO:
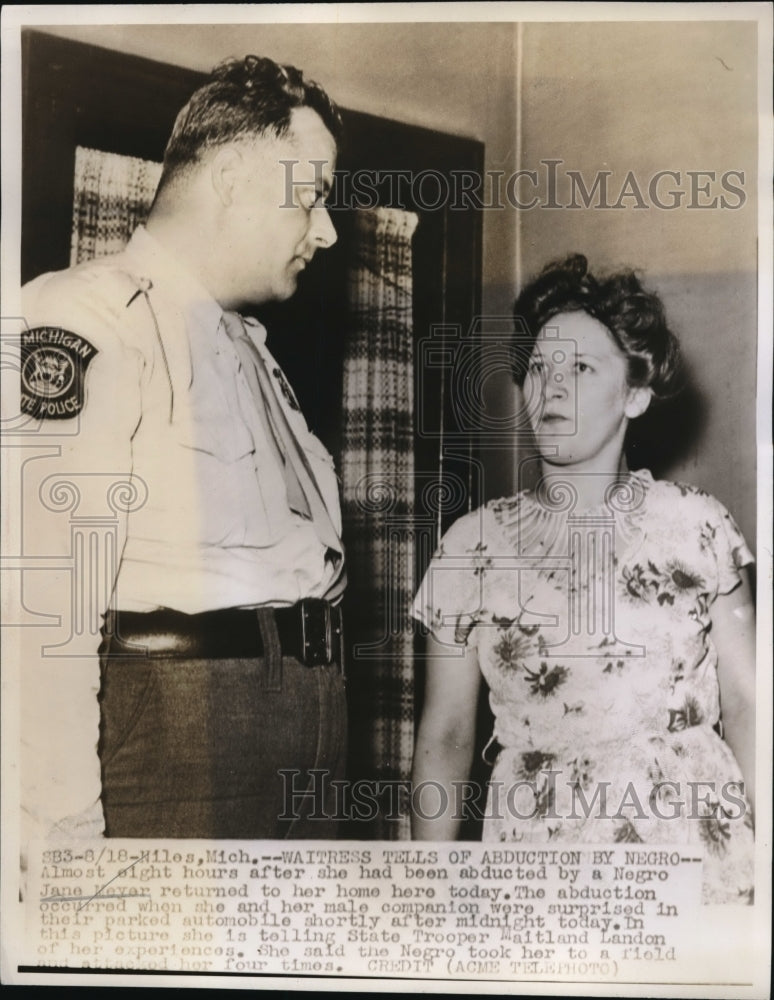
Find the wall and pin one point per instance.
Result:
(638, 97)
(458, 78)
(649, 97)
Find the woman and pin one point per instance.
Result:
(610, 614)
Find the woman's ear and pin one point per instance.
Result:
(637, 401)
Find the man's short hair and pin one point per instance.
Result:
(242, 99)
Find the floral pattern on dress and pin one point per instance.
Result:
(665, 584)
(546, 680)
(689, 714)
(626, 705)
(512, 648)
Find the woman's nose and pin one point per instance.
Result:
(556, 384)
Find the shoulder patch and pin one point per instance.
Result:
(53, 369)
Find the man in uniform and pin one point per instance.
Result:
(219, 665)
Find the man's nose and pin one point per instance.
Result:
(323, 232)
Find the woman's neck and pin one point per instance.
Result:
(589, 486)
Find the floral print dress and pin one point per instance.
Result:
(592, 631)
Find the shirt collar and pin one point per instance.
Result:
(156, 267)
(255, 331)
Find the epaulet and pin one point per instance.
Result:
(102, 286)
(124, 285)
(139, 285)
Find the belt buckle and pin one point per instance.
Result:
(316, 632)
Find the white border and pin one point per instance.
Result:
(13, 17)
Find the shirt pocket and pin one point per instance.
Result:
(210, 425)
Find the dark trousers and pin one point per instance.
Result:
(221, 748)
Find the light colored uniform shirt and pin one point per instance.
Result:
(168, 403)
(177, 498)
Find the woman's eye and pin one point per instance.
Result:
(581, 366)
(536, 367)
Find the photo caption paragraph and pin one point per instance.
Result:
(467, 911)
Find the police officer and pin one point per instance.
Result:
(218, 687)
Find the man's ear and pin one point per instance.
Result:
(225, 170)
(638, 401)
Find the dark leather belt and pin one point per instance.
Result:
(310, 631)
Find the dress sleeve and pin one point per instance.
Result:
(451, 595)
(731, 550)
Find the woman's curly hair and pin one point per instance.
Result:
(633, 316)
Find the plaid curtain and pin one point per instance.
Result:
(112, 196)
(377, 468)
